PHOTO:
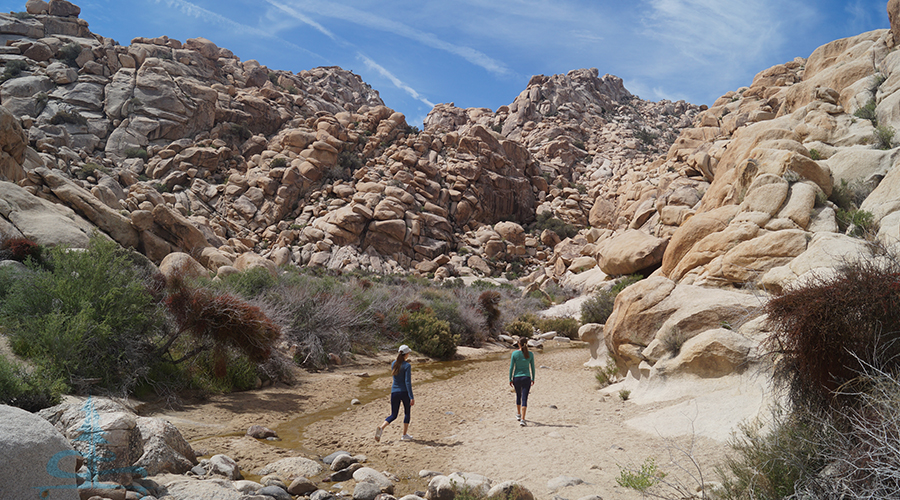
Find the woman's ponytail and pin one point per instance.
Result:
(523, 345)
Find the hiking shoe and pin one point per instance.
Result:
(406, 437)
(378, 431)
(522, 423)
(519, 418)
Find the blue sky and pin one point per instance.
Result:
(481, 53)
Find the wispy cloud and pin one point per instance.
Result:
(369, 20)
(302, 18)
(393, 79)
(208, 16)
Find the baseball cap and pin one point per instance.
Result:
(404, 349)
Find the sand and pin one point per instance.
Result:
(464, 421)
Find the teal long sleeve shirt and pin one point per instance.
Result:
(519, 366)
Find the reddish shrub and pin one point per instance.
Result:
(20, 249)
(830, 329)
(488, 302)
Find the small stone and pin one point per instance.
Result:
(275, 492)
(261, 432)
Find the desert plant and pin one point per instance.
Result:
(815, 155)
(136, 153)
(29, 390)
(598, 307)
(624, 394)
(13, 69)
(645, 136)
(867, 112)
(641, 479)
(673, 339)
(564, 327)
(20, 249)
(608, 373)
(487, 303)
(63, 117)
(427, 334)
(884, 136)
(546, 220)
(69, 53)
(279, 162)
(87, 316)
(858, 223)
(520, 329)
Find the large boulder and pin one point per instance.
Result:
(893, 9)
(164, 448)
(656, 308)
(36, 460)
(292, 468)
(13, 143)
(179, 263)
(712, 353)
(630, 252)
(45, 223)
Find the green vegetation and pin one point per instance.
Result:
(22, 15)
(838, 359)
(598, 308)
(859, 223)
(13, 69)
(279, 162)
(607, 374)
(641, 479)
(68, 117)
(429, 335)
(867, 112)
(546, 220)
(814, 154)
(136, 153)
(69, 53)
(624, 394)
(884, 136)
(645, 136)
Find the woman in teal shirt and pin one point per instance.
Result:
(520, 378)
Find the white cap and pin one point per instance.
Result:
(404, 349)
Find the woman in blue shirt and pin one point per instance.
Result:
(521, 377)
(401, 392)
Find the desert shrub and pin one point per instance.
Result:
(20, 249)
(31, 391)
(828, 329)
(815, 155)
(350, 160)
(860, 223)
(70, 52)
(429, 335)
(136, 153)
(239, 131)
(22, 15)
(640, 479)
(487, 303)
(645, 136)
(88, 316)
(598, 307)
(68, 117)
(251, 283)
(13, 69)
(768, 465)
(564, 327)
(279, 162)
(215, 322)
(520, 329)
(850, 195)
(546, 220)
(867, 112)
(607, 374)
(884, 136)
(459, 310)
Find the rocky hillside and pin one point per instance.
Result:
(170, 146)
(799, 175)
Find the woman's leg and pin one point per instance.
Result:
(521, 385)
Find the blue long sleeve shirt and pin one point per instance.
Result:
(403, 379)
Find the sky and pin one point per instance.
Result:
(482, 53)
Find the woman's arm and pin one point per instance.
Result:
(409, 380)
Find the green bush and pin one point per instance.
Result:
(546, 220)
(867, 112)
(607, 374)
(564, 327)
(429, 335)
(597, 308)
(641, 479)
(136, 153)
(815, 155)
(250, 283)
(520, 329)
(279, 162)
(68, 117)
(13, 69)
(30, 391)
(884, 136)
(70, 52)
(861, 223)
(88, 316)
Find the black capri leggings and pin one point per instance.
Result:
(522, 385)
(396, 399)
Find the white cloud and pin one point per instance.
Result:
(302, 18)
(393, 79)
(342, 12)
(197, 12)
